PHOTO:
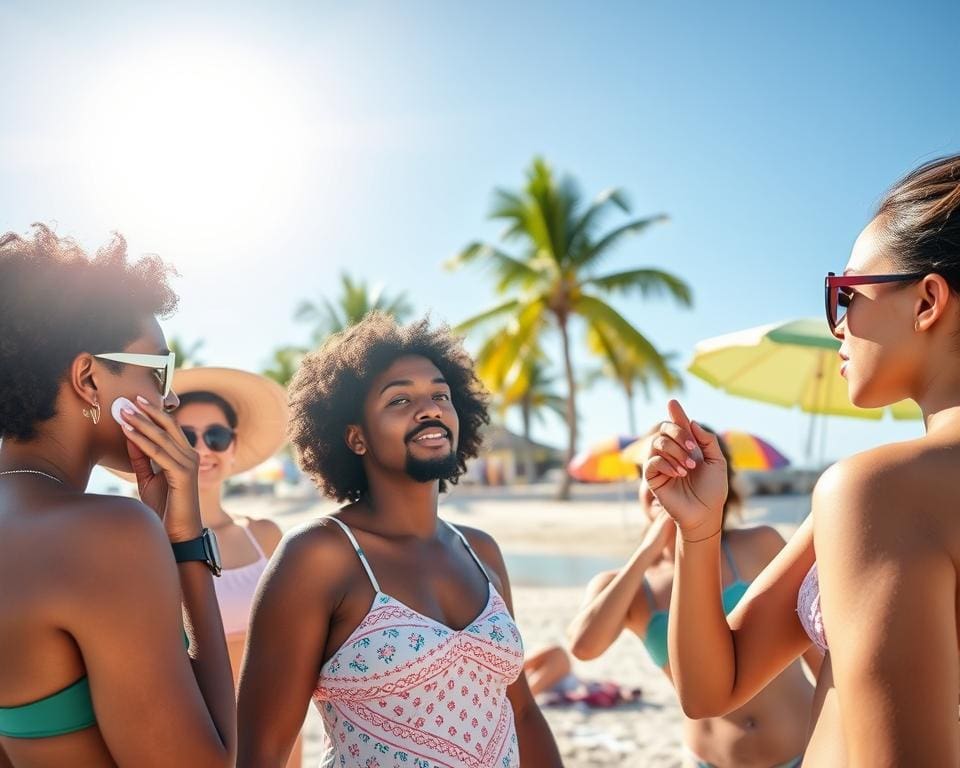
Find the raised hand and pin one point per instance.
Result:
(172, 492)
(660, 532)
(688, 475)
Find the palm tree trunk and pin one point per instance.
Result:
(529, 468)
(563, 493)
(631, 416)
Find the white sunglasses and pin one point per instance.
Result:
(163, 365)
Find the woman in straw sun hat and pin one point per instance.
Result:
(235, 420)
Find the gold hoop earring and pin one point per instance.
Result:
(93, 413)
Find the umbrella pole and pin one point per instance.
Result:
(823, 441)
(808, 450)
(819, 387)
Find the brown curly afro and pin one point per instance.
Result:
(329, 389)
(57, 302)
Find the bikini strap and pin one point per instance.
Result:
(466, 543)
(356, 546)
(253, 540)
(649, 593)
(729, 556)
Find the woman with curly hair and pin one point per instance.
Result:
(101, 594)
(407, 618)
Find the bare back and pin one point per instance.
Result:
(889, 558)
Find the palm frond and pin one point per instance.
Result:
(591, 252)
(599, 313)
(488, 314)
(650, 283)
(605, 201)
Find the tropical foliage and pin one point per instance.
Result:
(355, 301)
(553, 277)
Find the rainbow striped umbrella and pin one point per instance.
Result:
(751, 452)
(602, 462)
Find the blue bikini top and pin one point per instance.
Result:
(655, 638)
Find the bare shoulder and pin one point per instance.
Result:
(113, 524)
(880, 469)
(112, 547)
(266, 532)
(754, 548)
(764, 541)
(319, 543)
(867, 497)
(599, 582)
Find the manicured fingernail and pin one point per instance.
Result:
(691, 463)
(142, 400)
(690, 445)
(681, 471)
(128, 427)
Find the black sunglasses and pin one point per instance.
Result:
(217, 437)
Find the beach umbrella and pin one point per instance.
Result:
(793, 364)
(602, 462)
(751, 452)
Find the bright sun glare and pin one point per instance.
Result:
(208, 143)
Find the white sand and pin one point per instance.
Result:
(600, 522)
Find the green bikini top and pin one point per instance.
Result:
(65, 711)
(655, 639)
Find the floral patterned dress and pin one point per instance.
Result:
(405, 691)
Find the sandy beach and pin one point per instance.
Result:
(552, 549)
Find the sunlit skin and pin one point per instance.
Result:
(144, 685)
(768, 730)
(316, 591)
(884, 533)
(236, 550)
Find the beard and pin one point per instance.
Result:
(428, 470)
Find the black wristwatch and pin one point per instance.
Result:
(203, 548)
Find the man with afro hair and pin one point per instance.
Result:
(397, 624)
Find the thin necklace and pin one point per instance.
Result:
(30, 472)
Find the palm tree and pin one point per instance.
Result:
(284, 364)
(527, 385)
(186, 353)
(356, 300)
(554, 279)
(629, 371)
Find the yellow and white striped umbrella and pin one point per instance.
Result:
(794, 364)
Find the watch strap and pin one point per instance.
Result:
(186, 551)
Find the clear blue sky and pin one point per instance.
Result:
(263, 151)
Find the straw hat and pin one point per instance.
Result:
(260, 403)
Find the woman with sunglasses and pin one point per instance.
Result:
(101, 595)
(872, 577)
(235, 420)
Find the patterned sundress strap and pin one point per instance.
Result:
(356, 546)
(466, 543)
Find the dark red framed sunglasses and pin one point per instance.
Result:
(837, 293)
